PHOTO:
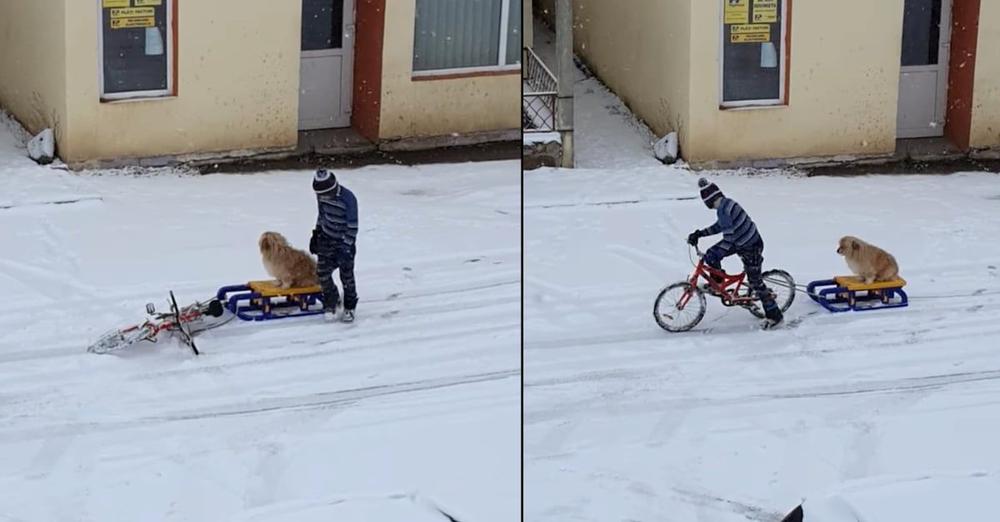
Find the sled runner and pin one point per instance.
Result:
(681, 306)
(264, 300)
(846, 293)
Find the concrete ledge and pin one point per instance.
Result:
(200, 158)
(985, 154)
(449, 140)
(908, 151)
(802, 162)
(333, 143)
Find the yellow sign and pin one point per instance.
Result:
(115, 3)
(750, 38)
(764, 11)
(132, 23)
(750, 33)
(737, 11)
(750, 28)
(133, 12)
(140, 3)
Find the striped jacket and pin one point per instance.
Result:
(338, 215)
(738, 230)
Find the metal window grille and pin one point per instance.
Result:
(538, 103)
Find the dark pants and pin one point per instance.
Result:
(336, 257)
(753, 259)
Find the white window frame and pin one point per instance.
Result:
(781, 100)
(501, 60)
(137, 95)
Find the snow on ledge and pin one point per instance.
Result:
(534, 138)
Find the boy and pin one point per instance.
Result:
(334, 241)
(740, 237)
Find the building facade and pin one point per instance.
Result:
(747, 80)
(169, 78)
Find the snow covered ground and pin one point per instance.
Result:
(415, 405)
(624, 421)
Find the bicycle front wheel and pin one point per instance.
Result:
(120, 339)
(679, 307)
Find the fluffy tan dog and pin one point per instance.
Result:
(868, 261)
(291, 267)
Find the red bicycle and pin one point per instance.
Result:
(681, 306)
(184, 322)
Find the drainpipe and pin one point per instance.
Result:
(567, 77)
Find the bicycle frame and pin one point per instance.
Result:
(152, 327)
(728, 289)
(166, 321)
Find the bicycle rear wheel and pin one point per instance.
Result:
(679, 307)
(782, 288)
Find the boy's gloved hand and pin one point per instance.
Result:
(314, 242)
(693, 237)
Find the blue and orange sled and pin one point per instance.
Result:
(264, 300)
(847, 293)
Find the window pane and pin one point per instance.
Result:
(514, 33)
(322, 24)
(921, 32)
(456, 33)
(752, 50)
(135, 47)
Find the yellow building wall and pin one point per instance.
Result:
(33, 64)
(843, 93)
(986, 89)
(237, 84)
(438, 107)
(641, 51)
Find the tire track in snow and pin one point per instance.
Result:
(219, 360)
(640, 402)
(450, 329)
(744, 509)
(312, 401)
(849, 336)
(42, 350)
(56, 291)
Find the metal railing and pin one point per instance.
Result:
(540, 91)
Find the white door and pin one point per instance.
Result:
(923, 81)
(327, 64)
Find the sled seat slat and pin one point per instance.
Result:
(854, 283)
(271, 289)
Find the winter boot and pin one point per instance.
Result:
(348, 316)
(773, 317)
(331, 302)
